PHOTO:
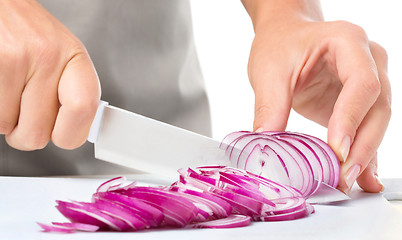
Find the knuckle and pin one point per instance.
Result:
(48, 51)
(385, 107)
(259, 112)
(13, 54)
(348, 30)
(368, 150)
(261, 109)
(352, 121)
(264, 110)
(369, 82)
(387, 112)
(372, 84)
(84, 106)
(379, 51)
(75, 48)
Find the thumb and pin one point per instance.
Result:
(273, 101)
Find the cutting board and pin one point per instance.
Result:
(27, 200)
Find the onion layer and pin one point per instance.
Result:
(294, 159)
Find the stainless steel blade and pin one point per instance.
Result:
(141, 143)
(327, 194)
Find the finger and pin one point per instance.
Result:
(12, 81)
(369, 180)
(358, 74)
(39, 106)
(370, 134)
(79, 94)
(365, 145)
(273, 96)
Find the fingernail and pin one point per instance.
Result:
(379, 182)
(259, 130)
(352, 175)
(345, 147)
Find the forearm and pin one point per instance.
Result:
(282, 11)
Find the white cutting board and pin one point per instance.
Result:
(27, 200)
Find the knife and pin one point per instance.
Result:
(135, 141)
(145, 144)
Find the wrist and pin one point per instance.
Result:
(282, 12)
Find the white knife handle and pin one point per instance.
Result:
(94, 130)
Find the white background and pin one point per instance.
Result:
(223, 35)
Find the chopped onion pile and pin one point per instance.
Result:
(215, 196)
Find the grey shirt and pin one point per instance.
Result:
(143, 51)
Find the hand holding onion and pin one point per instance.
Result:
(330, 73)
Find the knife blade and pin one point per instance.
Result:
(327, 194)
(145, 144)
(135, 141)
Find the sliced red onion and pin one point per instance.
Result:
(274, 172)
(332, 158)
(88, 214)
(293, 159)
(68, 227)
(299, 171)
(233, 221)
(177, 210)
(220, 208)
(325, 154)
(283, 193)
(118, 211)
(303, 212)
(149, 214)
(285, 205)
(241, 204)
(324, 160)
(112, 183)
(78, 226)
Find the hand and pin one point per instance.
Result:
(48, 86)
(330, 73)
